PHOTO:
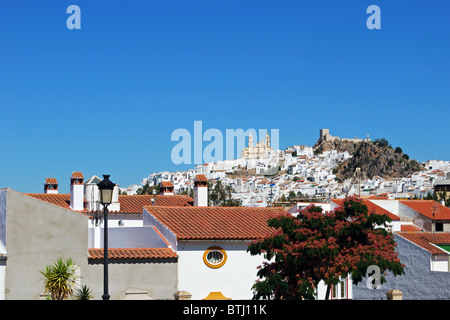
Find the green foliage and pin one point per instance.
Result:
(292, 195)
(381, 142)
(146, 189)
(220, 195)
(60, 279)
(439, 197)
(83, 293)
(317, 245)
(413, 165)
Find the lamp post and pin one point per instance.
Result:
(106, 188)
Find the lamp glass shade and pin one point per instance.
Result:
(106, 196)
(106, 188)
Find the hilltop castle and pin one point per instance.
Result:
(325, 136)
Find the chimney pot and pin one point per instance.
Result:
(51, 186)
(77, 191)
(200, 191)
(166, 188)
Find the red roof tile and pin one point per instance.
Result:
(224, 223)
(166, 184)
(133, 253)
(200, 177)
(426, 207)
(428, 240)
(77, 175)
(60, 199)
(51, 181)
(128, 203)
(136, 203)
(409, 227)
(372, 208)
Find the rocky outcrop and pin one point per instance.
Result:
(375, 158)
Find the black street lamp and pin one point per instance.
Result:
(106, 188)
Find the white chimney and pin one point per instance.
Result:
(51, 186)
(200, 191)
(166, 188)
(115, 204)
(77, 191)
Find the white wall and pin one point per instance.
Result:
(234, 279)
(126, 220)
(2, 278)
(302, 205)
(126, 237)
(3, 194)
(348, 290)
(389, 205)
(439, 263)
(37, 234)
(420, 220)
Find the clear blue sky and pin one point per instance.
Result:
(106, 98)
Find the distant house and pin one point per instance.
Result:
(428, 215)
(427, 277)
(211, 244)
(393, 225)
(443, 185)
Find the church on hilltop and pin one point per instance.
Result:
(261, 149)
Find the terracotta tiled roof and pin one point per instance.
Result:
(224, 223)
(128, 204)
(428, 240)
(166, 184)
(60, 199)
(136, 203)
(51, 181)
(372, 208)
(409, 227)
(425, 207)
(133, 253)
(77, 175)
(379, 210)
(200, 177)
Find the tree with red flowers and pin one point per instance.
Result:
(315, 245)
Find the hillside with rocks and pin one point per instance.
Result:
(375, 158)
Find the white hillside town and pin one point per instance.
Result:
(264, 176)
(173, 243)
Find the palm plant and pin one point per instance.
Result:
(83, 293)
(60, 279)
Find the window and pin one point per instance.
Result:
(439, 227)
(215, 257)
(339, 290)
